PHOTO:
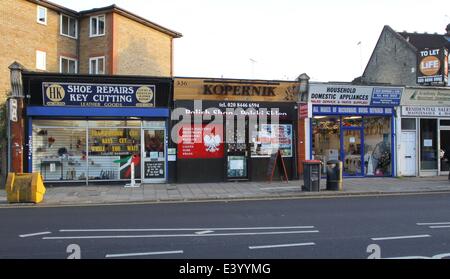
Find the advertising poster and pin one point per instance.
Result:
(272, 137)
(201, 141)
(432, 68)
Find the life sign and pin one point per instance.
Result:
(98, 95)
(432, 66)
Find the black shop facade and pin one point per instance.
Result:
(89, 129)
(229, 129)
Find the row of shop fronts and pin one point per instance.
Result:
(89, 129)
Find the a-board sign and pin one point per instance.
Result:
(276, 159)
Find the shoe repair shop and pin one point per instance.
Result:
(354, 124)
(95, 128)
(225, 129)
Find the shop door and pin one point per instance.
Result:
(351, 140)
(154, 155)
(236, 165)
(408, 153)
(445, 149)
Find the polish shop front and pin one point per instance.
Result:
(228, 129)
(89, 129)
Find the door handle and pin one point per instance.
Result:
(409, 157)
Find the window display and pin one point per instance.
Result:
(326, 139)
(363, 139)
(77, 150)
(270, 138)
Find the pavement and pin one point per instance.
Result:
(110, 194)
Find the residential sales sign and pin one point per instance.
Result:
(337, 94)
(98, 95)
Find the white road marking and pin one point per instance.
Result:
(174, 235)
(34, 234)
(282, 245)
(143, 254)
(186, 229)
(401, 237)
(203, 232)
(439, 227)
(408, 258)
(431, 224)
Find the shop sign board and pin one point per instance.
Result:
(352, 110)
(234, 90)
(338, 94)
(432, 66)
(201, 141)
(426, 96)
(425, 111)
(98, 95)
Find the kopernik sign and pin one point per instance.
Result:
(432, 68)
(337, 94)
(98, 95)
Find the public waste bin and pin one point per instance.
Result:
(311, 175)
(334, 175)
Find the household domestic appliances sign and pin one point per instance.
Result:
(98, 95)
(432, 66)
(329, 94)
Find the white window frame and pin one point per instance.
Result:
(68, 27)
(91, 34)
(39, 66)
(96, 70)
(37, 15)
(70, 59)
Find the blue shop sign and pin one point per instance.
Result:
(352, 110)
(386, 96)
(98, 95)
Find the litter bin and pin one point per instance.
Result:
(334, 175)
(311, 175)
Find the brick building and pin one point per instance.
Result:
(394, 59)
(43, 36)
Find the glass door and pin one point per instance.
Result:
(154, 155)
(352, 151)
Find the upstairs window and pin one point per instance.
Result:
(67, 65)
(41, 60)
(97, 65)
(41, 15)
(97, 25)
(69, 26)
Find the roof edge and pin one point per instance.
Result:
(132, 16)
(54, 7)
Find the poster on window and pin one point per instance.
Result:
(272, 137)
(201, 141)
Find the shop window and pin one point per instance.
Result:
(59, 153)
(408, 124)
(68, 65)
(111, 152)
(428, 144)
(97, 26)
(97, 65)
(352, 121)
(325, 138)
(270, 138)
(41, 15)
(445, 122)
(377, 146)
(69, 26)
